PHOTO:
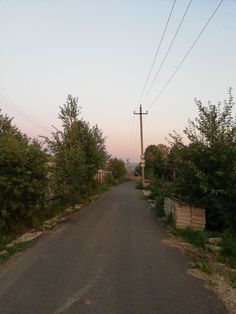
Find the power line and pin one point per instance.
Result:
(186, 55)
(157, 52)
(135, 146)
(131, 134)
(168, 50)
(28, 116)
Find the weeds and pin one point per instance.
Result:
(232, 278)
(203, 265)
(139, 185)
(228, 252)
(198, 238)
(169, 220)
(16, 247)
(159, 210)
(4, 240)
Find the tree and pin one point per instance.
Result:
(156, 161)
(117, 167)
(79, 152)
(23, 172)
(207, 165)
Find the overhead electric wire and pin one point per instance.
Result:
(168, 50)
(132, 131)
(186, 55)
(157, 52)
(28, 116)
(154, 60)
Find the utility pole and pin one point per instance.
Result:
(141, 113)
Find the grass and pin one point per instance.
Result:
(4, 240)
(17, 247)
(159, 210)
(232, 278)
(197, 238)
(139, 185)
(226, 255)
(203, 265)
(169, 220)
(228, 252)
(102, 188)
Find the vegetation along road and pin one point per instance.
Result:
(108, 258)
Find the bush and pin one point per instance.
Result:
(159, 210)
(228, 252)
(206, 167)
(23, 176)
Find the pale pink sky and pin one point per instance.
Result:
(101, 51)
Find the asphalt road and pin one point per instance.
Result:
(108, 258)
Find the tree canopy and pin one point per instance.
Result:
(156, 161)
(117, 167)
(79, 152)
(23, 179)
(206, 167)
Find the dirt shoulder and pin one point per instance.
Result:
(206, 266)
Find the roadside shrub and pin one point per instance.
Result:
(203, 265)
(206, 166)
(170, 220)
(23, 176)
(228, 251)
(159, 210)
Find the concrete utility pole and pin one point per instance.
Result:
(141, 113)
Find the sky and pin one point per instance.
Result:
(101, 51)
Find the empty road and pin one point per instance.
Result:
(108, 258)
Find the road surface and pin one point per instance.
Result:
(108, 258)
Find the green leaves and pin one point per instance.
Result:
(206, 167)
(23, 173)
(117, 167)
(156, 161)
(79, 152)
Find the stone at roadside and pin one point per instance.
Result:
(78, 206)
(3, 253)
(152, 203)
(9, 245)
(146, 193)
(214, 241)
(62, 219)
(51, 222)
(28, 237)
(213, 248)
(45, 227)
(69, 210)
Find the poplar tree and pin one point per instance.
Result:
(79, 151)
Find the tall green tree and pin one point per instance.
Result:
(79, 152)
(207, 165)
(156, 161)
(117, 167)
